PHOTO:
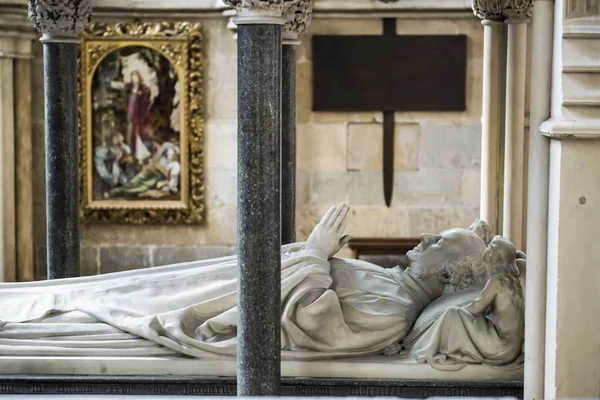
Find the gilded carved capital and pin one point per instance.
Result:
(58, 20)
(499, 10)
(298, 19)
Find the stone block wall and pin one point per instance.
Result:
(339, 159)
(437, 155)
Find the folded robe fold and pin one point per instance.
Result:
(334, 308)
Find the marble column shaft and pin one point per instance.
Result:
(514, 140)
(62, 161)
(288, 144)
(493, 102)
(538, 195)
(259, 209)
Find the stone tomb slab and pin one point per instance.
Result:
(374, 376)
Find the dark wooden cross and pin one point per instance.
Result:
(390, 73)
(389, 30)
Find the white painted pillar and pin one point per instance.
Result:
(572, 345)
(492, 120)
(537, 209)
(514, 138)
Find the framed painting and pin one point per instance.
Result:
(141, 123)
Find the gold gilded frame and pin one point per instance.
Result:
(181, 44)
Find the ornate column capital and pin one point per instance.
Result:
(517, 10)
(298, 19)
(261, 11)
(60, 20)
(488, 10)
(501, 10)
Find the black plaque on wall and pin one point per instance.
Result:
(391, 73)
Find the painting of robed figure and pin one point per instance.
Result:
(141, 120)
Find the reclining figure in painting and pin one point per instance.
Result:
(330, 307)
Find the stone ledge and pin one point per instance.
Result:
(320, 5)
(559, 129)
(588, 29)
(372, 5)
(322, 8)
(217, 387)
(15, 23)
(373, 367)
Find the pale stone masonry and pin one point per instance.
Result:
(338, 158)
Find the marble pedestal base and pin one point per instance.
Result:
(370, 376)
(217, 387)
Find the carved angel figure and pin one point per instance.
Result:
(490, 330)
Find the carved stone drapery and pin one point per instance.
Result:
(60, 19)
(498, 10)
(298, 18)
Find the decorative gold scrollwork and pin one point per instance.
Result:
(181, 43)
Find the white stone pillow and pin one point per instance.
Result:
(433, 311)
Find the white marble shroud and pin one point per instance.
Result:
(330, 309)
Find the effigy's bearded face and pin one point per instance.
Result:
(436, 251)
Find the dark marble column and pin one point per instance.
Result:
(259, 209)
(298, 18)
(61, 23)
(62, 162)
(288, 144)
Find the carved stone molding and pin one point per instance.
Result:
(60, 20)
(499, 10)
(488, 9)
(261, 11)
(517, 9)
(230, 15)
(582, 8)
(14, 22)
(280, 6)
(297, 19)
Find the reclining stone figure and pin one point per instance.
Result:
(330, 307)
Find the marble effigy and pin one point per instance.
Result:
(341, 318)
